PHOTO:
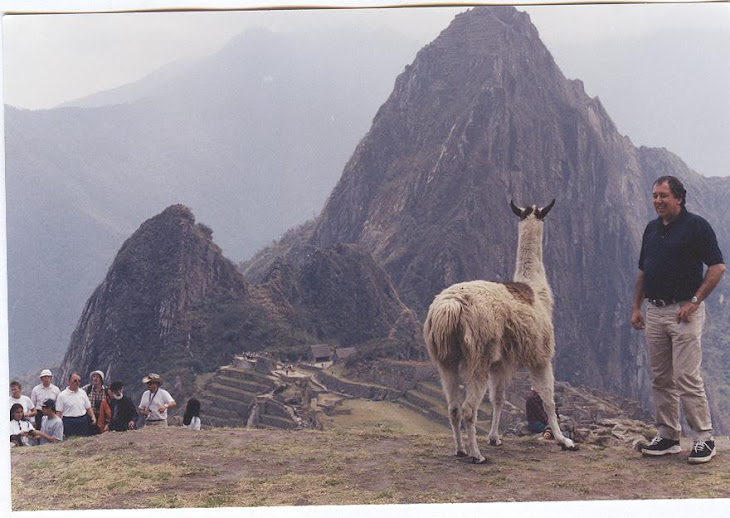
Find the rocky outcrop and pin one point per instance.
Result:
(141, 317)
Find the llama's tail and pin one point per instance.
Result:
(443, 331)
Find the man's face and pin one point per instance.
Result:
(47, 410)
(46, 380)
(74, 382)
(666, 205)
(96, 379)
(153, 385)
(15, 391)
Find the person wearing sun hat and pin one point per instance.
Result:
(155, 401)
(43, 391)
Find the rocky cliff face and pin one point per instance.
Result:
(482, 116)
(341, 293)
(140, 317)
(172, 303)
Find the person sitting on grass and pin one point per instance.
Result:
(536, 417)
(21, 431)
(51, 426)
(191, 419)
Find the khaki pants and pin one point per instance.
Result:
(675, 356)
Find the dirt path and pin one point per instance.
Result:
(154, 468)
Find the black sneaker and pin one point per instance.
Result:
(702, 451)
(661, 446)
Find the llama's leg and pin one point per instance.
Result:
(475, 390)
(543, 382)
(450, 384)
(496, 397)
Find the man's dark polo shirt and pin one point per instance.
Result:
(672, 256)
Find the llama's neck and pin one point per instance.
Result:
(529, 267)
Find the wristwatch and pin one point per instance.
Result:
(694, 300)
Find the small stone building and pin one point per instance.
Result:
(320, 353)
(343, 353)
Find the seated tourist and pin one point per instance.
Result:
(51, 426)
(21, 431)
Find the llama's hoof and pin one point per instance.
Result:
(495, 442)
(569, 447)
(475, 460)
(460, 454)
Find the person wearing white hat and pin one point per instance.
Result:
(41, 392)
(155, 401)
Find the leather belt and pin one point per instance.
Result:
(661, 303)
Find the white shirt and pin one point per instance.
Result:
(194, 423)
(152, 401)
(25, 401)
(20, 426)
(72, 404)
(40, 393)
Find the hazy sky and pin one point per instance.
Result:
(661, 71)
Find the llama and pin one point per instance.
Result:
(484, 331)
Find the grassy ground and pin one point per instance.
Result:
(376, 463)
(361, 414)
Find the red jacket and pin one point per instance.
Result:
(105, 415)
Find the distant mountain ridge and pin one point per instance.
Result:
(251, 138)
(131, 92)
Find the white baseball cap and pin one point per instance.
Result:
(46, 372)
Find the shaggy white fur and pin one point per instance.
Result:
(482, 332)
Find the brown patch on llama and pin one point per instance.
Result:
(521, 292)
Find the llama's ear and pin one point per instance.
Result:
(519, 211)
(541, 213)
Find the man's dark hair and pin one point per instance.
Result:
(677, 187)
(116, 386)
(15, 384)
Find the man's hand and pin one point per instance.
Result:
(637, 319)
(685, 312)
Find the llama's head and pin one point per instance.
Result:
(529, 240)
(532, 211)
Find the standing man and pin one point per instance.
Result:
(123, 412)
(16, 397)
(155, 401)
(673, 250)
(74, 407)
(41, 392)
(97, 393)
